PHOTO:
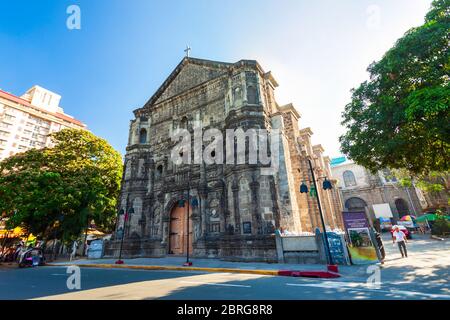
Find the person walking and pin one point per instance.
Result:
(380, 245)
(74, 250)
(400, 237)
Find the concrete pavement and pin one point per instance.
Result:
(426, 258)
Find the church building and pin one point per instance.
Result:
(218, 210)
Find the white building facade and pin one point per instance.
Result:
(363, 191)
(27, 121)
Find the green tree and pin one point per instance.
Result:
(400, 118)
(58, 190)
(434, 182)
(441, 226)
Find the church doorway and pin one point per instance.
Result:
(402, 207)
(178, 230)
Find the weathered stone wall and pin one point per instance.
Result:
(238, 207)
(376, 189)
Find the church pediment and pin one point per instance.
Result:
(187, 75)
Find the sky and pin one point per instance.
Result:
(317, 51)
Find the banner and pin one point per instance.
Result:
(361, 248)
(382, 210)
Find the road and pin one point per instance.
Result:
(50, 283)
(423, 275)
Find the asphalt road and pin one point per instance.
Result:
(424, 274)
(50, 283)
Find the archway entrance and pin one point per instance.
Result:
(355, 204)
(402, 207)
(178, 230)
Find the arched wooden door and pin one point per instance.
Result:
(178, 230)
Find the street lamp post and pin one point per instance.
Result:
(326, 185)
(194, 204)
(188, 263)
(128, 212)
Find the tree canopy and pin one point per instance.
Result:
(58, 190)
(400, 118)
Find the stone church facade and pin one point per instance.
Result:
(233, 209)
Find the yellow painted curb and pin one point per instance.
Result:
(124, 266)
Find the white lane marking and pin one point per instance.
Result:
(217, 284)
(357, 286)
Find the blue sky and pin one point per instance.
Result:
(317, 50)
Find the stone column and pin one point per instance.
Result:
(165, 229)
(203, 198)
(237, 216)
(256, 214)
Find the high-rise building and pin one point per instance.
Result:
(27, 121)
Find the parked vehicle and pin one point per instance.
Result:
(404, 229)
(31, 257)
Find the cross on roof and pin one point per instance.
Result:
(187, 50)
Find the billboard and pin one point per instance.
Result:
(361, 247)
(382, 210)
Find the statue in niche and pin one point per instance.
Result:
(197, 231)
(229, 229)
(141, 170)
(214, 208)
(157, 216)
(214, 213)
(165, 232)
(156, 222)
(128, 170)
(236, 94)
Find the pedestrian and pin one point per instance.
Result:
(400, 237)
(380, 245)
(377, 233)
(74, 250)
(18, 250)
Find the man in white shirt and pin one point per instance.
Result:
(74, 250)
(400, 237)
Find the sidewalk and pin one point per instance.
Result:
(428, 260)
(208, 265)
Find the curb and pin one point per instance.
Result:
(288, 273)
(170, 268)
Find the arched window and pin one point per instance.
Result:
(159, 171)
(355, 204)
(184, 123)
(143, 136)
(251, 95)
(349, 178)
(236, 94)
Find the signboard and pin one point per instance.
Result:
(355, 220)
(95, 250)
(119, 233)
(382, 210)
(337, 247)
(361, 248)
